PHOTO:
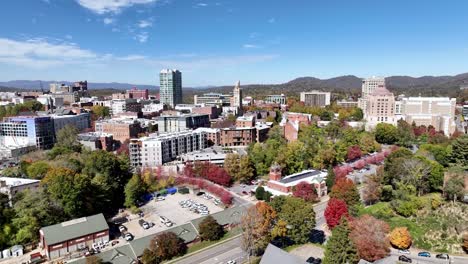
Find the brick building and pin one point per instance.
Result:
(75, 235)
(238, 136)
(279, 185)
(138, 94)
(120, 130)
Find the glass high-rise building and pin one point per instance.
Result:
(170, 87)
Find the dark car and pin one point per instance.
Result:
(313, 260)
(442, 256)
(424, 254)
(405, 259)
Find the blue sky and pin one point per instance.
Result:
(217, 42)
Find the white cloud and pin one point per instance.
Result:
(250, 46)
(108, 20)
(132, 58)
(110, 6)
(142, 37)
(271, 20)
(145, 23)
(202, 4)
(39, 53)
(69, 37)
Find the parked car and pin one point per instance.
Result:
(122, 228)
(313, 260)
(403, 251)
(160, 198)
(128, 237)
(405, 259)
(424, 254)
(442, 256)
(168, 224)
(163, 219)
(231, 262)
(143, 224)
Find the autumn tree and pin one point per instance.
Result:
(370, 237)
(37, 170)
(100, 111)
(165, 246)
(256, 225)
(246, 170)
(400, 238)
(210, 229)
(340, 248)
(354, 152)
(231, 164)
(67, 137)
(305, 191)
(336, 209)
(344, 189)
(465, 242)
(372, 190)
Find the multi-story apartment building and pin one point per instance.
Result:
(182, 122)
(13, 186)
(215, 99)
(28, 130)
(315, 98)
(81, 121)
(213, 135)
(138, 94)
(438, 112)
(121, 130)
(380, 108)
(97, 140)
(170, 87)
(276, 99)
(368, 86)
(158, 149)
(238, 136)
(125, 105)
(347, 103)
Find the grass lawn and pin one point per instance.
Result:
(204, 244)
(292, 247)
(431, 229)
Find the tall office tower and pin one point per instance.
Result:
(237, 97)
(368, 86)
(170, 87)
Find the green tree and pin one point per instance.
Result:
(134, 189)
(386, 133)
(460, 151)
(300, 216)
(357, 114)
(210, 229)
(231, 165)
(246, 170)
(100, 111)
(164, 246)
(67, 137)
(340, 249)
(405, 134)
(37, 170)
(294, 158)
(330, 181)
(454, 187)
(260, 193)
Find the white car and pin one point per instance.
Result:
(204, 213)
(160, 198)
(146, 225)
(231, 262)
(404, 251)
(128, 237)
(122, 228)
(168, 224)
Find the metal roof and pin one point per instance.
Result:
(275, 255)
(75, 228)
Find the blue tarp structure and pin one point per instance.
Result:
(171, 190)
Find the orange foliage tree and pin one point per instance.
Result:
(370, 236)
(400, 238)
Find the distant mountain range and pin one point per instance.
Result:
(426, 85)
(36, 85)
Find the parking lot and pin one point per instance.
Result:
(169, 209)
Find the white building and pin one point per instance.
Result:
(152, 108)
(158, 149)
(12, 186)
(15, 151)
(316, 98)
(121, 105)
(368, 86)
(438, 112)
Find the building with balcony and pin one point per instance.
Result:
(182, 122)
(315, 98)
(158, 149)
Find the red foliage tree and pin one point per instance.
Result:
(342, 171)
(380, 157)
(305, 191)
(354, 152)
(370, 237)
(345, 189)
(336, 209)
(359, 164)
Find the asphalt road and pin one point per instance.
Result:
(393, 258)
(219, 254)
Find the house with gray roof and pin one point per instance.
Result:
(65, 238)
(275, 255)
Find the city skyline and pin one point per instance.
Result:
(257, 42)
